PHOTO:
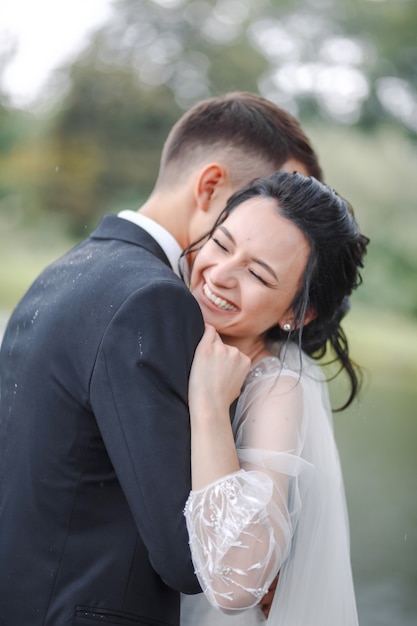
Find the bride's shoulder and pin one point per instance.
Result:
(269, 373)
(285, 361)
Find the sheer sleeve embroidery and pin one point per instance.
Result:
(241, 527)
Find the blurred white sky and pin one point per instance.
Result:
(46, 33)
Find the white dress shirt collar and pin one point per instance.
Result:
(167, 242)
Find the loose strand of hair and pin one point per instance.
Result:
(340, 345)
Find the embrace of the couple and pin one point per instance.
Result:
(166, 446)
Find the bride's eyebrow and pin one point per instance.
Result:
(227, 233)
(266, 267)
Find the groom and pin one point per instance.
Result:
(94, 424)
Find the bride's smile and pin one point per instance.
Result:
(217, 300)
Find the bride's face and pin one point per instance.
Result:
(246, 276)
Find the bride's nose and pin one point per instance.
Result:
(224, 274)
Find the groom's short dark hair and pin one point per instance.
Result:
(241, 124)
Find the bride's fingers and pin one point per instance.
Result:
(210, 333)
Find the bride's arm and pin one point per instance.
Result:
(216, 378)
(240, 522)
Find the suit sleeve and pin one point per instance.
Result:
(139, 392)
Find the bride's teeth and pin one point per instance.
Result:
(222, 304)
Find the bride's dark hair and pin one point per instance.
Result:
(336, 255)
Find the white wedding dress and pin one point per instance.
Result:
(284, 511)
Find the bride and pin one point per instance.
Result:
(267, 500)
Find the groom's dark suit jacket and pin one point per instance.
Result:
(94, 438)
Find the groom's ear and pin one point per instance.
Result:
(210, 184)
(211, 191)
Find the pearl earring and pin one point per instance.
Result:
(287, 327)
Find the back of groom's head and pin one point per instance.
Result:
(242, 128)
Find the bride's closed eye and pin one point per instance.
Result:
(251, 271)
(219, 244)
(261, 280)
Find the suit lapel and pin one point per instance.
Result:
(113, 227)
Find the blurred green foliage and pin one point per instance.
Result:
(377, 173)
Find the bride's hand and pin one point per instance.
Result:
(217, 373)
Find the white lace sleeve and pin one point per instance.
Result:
(241, 526)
